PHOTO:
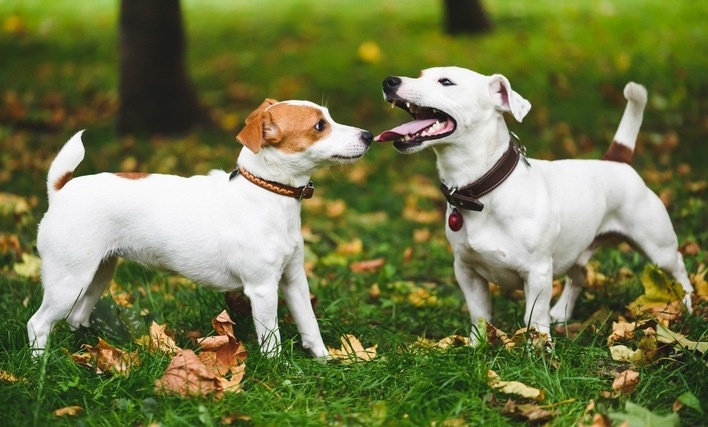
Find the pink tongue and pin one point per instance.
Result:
(405, 129)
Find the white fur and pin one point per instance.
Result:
(225, 234)
(543, 220)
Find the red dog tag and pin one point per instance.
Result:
(454, 221)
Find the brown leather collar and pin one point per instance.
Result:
(466, 197)
(304, 192)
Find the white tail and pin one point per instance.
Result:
(625, 138)
(69, 157)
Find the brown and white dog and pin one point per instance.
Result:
(519, 223)
(223, 231)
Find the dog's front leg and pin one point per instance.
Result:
(538, 284)
(476, 291)
(297, 297)
(264, 305)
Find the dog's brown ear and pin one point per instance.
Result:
(253, 135)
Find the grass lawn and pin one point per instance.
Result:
(58, 74)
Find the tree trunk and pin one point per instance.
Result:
(466, 16)
(156, 96)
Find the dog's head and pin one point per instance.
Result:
(447, 103)
(302, 132)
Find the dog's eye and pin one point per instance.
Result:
(446, 82)
(319, 127)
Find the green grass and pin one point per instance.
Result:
(58, 75)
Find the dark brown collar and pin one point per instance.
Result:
(466, 197)
(304, 192)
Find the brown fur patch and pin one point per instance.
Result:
(132, 175)
(61, 182)
(296, 126)
(618, 153)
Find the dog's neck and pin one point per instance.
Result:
(465, 160)
(265, 166)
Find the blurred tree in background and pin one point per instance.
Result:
(466, 16)
(156, 95)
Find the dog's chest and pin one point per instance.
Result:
(489, 251)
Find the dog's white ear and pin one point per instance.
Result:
(506, 99)
(259, 128)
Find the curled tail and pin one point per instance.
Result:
(69, 157)
(625, 139)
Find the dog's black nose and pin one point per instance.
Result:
(391, 83)
(367, 137)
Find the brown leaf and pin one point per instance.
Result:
(106, 358)
(352, 350)
(159, 340)
(69, 411)
(186, 376)
(355, 247)
(621, 331)
(626, 382)
(368, 266)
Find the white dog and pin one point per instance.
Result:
(520, 223)
(224, 231)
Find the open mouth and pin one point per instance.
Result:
(428, 124)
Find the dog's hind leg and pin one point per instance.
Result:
(654, 236)
(476, 291)
(574, 283)
(80, 314)
(63, 291)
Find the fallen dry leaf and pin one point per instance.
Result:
(375, 291)
(10, 378)
(106, 358)
(186, 376)
(68, 411)
(621, 331)
(514, 387)
(30, 266)
(368, 266)
(355, 247)
(497, 337)
(622, 353)
(662, 296)
(158, 339)
(352, 350)
(699, 282)
(663, 334)
(626, 382)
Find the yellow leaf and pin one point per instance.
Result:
(370, 52)
(667, 336)
(70, 411)
(352, 350)
(30, 266)
(622, 353)
(12, 204)
(453, 341)
(10, 378)
(354, 247)
(699, 281)
(662, 296)
(514, 387)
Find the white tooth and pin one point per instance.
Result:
(435, 111)
(408, 104)
(393, 104)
